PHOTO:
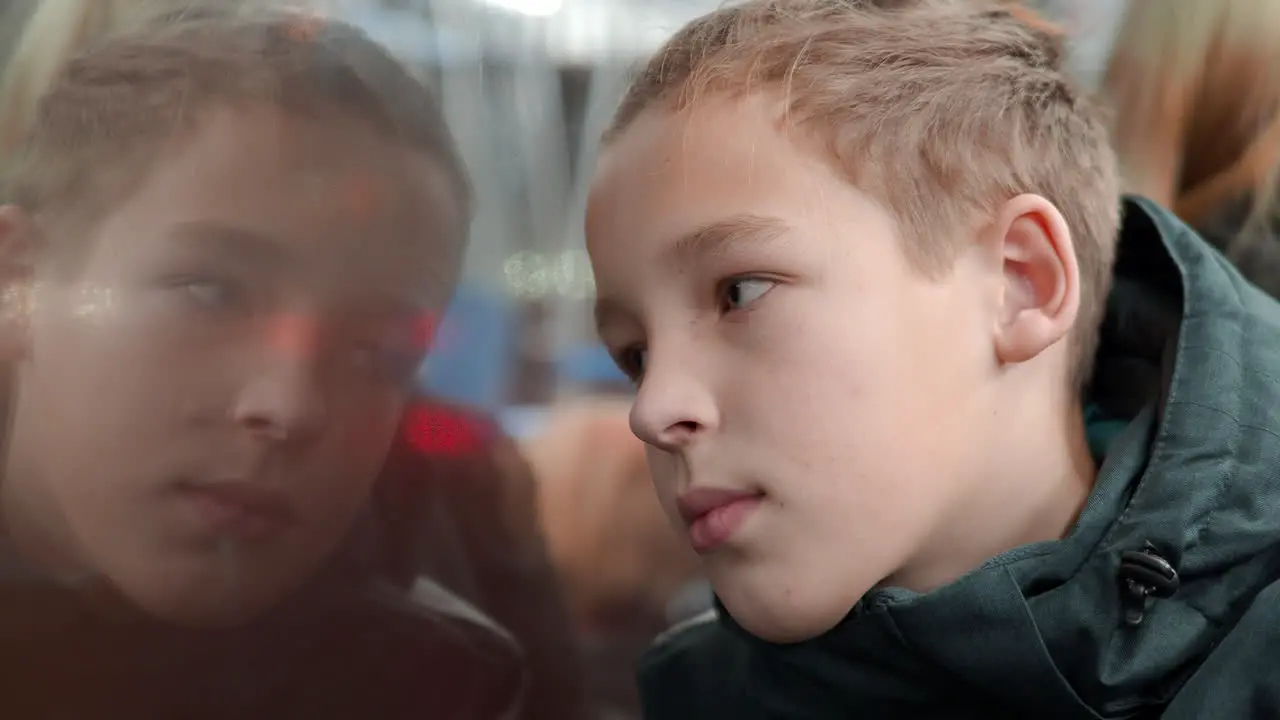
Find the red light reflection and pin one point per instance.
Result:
(437, 430)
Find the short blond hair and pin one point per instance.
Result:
(115, 110)
(938, 109)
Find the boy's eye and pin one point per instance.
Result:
(210, 293)
(738, 293)
(631, 361)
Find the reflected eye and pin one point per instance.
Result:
(738, 293)
(210, 293)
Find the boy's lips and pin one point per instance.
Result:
(245, 509)
(714, 515)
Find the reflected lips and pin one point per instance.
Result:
(713, 516)
(241, 509)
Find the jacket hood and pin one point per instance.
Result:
(1064, 629)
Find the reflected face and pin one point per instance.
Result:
(204, 405)
(812, 405)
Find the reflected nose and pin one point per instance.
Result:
(283, 399)
(672, 408)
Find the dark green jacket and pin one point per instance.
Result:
(1191, 356)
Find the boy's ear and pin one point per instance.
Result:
(18, 240)
(1040, 287)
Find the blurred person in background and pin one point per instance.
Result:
(624, 568)
(1196, 92)
(453, 501)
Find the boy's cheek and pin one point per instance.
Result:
(663, 471)
(666, 482)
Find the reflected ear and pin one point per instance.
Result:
(1040, 296)
(18, 240)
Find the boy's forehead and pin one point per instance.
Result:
(315, 188)
(721, 142)
(712, 121)
(316, 150)
(338, 164)
(728, 161)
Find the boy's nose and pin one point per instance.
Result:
(672, 409)
(283, 400)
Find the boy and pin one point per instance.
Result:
(856, 256)
(226, 231)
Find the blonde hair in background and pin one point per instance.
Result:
(1196, 90)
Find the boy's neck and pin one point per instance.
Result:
(30, 522)
(28, 527)
(1036, 494)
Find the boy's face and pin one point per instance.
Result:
(826, 403)
(203, 407)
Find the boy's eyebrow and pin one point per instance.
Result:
(705, 241)
(717, 236)
(242, 242)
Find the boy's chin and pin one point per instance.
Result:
(783, 621)
(199, 605)
(209, 613)
(211, 618)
